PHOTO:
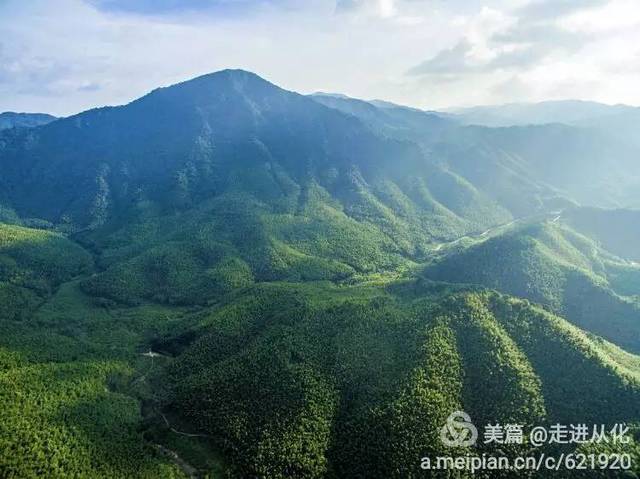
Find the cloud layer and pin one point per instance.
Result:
(63, 56)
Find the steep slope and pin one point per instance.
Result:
(469, 154)
(413, 175)
(617, 231)
(218, 133)
(553, 266)
(225, 281)
(585, 165)
(328, 375)
(392, 120)
(526, 169)
(32, 264)
(227, 179)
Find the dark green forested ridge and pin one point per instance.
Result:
(184, 143)
(552, 265)
(381, 372)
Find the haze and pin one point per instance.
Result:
(64, 56)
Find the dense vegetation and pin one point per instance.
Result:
(556, 267)
(373, 375)
(61, 355)
(230, 279)
(616, 230)
(32, 264)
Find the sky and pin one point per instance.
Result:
(66, 56)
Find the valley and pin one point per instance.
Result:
(227, 279)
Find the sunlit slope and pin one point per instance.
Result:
(60, 420)
(556, 267)
(531, 166)
(294, 380)
(233, 275)
(225, 133)
(32, 264)
(264, 234)
(59, 354)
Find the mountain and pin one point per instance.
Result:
(616, 230)
(581, 165)
(570, 112)
(528, 168)
(390, 119)
(194, 138)
(234, 139)
(550, 264)
(226, 278)
(212, 125)
(373, 374)
(9, 119)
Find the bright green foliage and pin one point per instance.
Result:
(557, 351)
(557, 268)
(500, 384)
(38, 259)
(235, 294)
(382, 373)
(430, 393)
(222, 245)
(289, 379)
(32, 264)
(61, 420)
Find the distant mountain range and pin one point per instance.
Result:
(10, 119)
(569, 112)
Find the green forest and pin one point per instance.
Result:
(231, 280)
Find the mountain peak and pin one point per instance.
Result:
(235, 77)
(201, 89)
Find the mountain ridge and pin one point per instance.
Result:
(263, 285)
(11, 119)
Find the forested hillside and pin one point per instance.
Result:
(616, 230)
(227, 279)
(372, 374)
(552, 265)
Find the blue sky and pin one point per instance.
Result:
(163, 7)
(64, 56)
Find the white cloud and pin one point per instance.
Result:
(613, 17)
(63, 56)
